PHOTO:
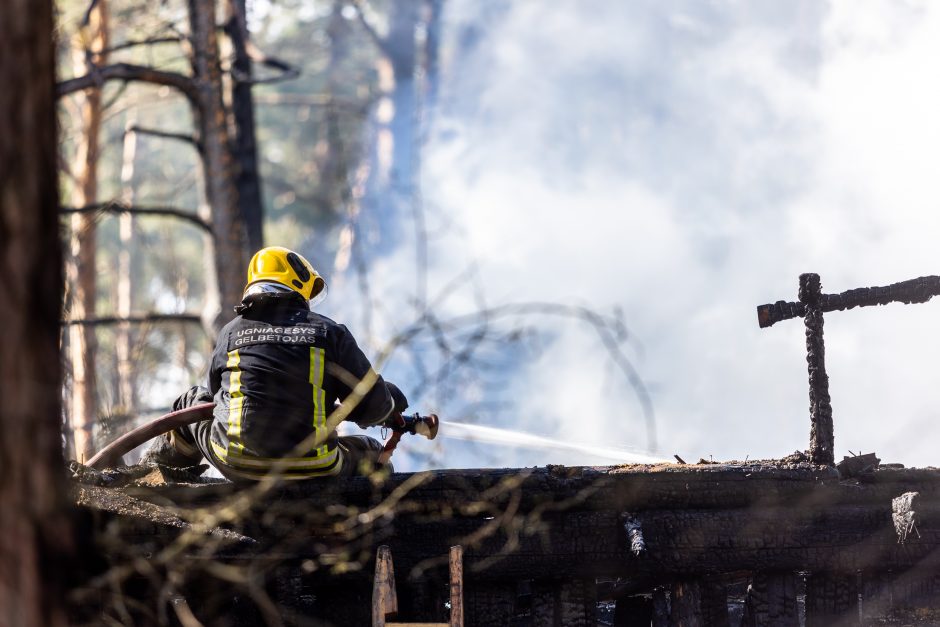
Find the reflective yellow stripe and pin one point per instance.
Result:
(236, 401)
(317, 368)
(286, 463)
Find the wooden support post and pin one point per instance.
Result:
(577, 603)
(879, 596)
(686, 605)
(832, 600)
(714, 604)
(771, 601)
(572, 602)
(900, 594)
(660, 608)
(821, 440)
(489, 604)
(634, 611)
(384, 598)
(456, 586)
(543, 603)
(339, 604)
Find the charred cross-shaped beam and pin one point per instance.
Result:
(810, 307)
(914, 291)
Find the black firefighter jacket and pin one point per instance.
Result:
(276, 373)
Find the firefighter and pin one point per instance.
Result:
(276, 373)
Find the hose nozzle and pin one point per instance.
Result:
(427, 426)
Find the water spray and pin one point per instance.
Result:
(495, 435)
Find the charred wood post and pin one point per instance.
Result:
(820, 407)
(686, 605)
(832, 600)
(771, 601)
(636, 611)
(489, 604)
(811, 306)
(577, 603)
(567, 602)
(543, 603)
(714, 604)
(660, 607)
(914, 591)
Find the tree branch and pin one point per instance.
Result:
(142, 319)
(133, 43)
(373, 34)
(128, 72)
(183, 137)
(287, 71)
(238, 31)
(115, 207)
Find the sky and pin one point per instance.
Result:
(684, 162)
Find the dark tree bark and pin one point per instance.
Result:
(248, 179)
(230, 250)
(32, 516)
(80, 268)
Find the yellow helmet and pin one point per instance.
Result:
(283, 266)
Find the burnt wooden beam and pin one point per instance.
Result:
(660, 607)
(818, 525)
(685, 608)
(821, 439)
(918, 290)
(832, 600)
(912, 591)
(623, 488)
(714, 603)
(771, 600)
(683, 543)
(489, 604)
(633, 611)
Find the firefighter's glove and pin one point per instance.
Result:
(401, 403)
(193, 396)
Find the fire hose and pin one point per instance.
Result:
(112, 454)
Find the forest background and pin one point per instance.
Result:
(560, 219)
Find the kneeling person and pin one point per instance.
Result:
(276, 372)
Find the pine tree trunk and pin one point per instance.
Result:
(80, 268)
(124, 339)
(32, 492)
(229, 256)
(243, 116)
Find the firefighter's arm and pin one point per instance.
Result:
(351, 367)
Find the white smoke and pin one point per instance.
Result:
(686, 162)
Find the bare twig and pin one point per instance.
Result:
(116, 207)
(98, 76)
(183, 137)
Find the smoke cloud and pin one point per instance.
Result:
(685, 162)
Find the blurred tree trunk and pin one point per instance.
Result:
(243, 116)
(126, 397)
(390, 185)
(32, 491)
(392, 190)
(333, 161)
(80, 269)
(230, 255)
